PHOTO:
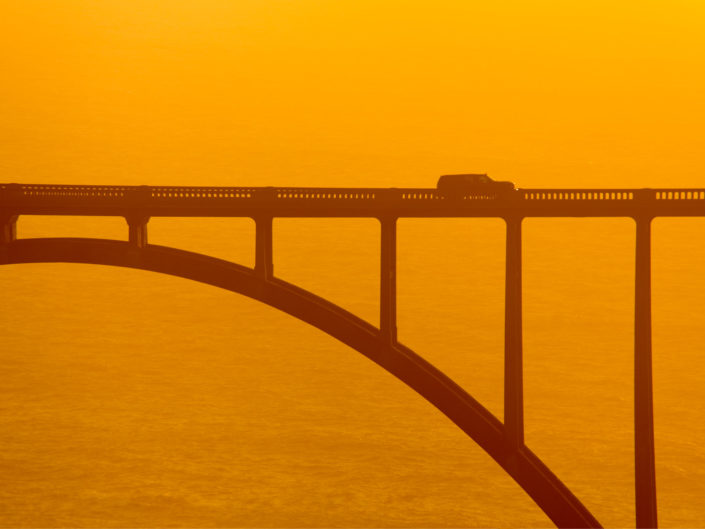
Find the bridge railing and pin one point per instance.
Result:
(417, 194)
(111, 192)
(63, 191)
(184, 194)
(611, 194)
(679, 194)
(433, 194)
(582, 194)
(324, 193)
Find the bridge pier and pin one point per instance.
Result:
(644, 453)
(264, 262)
(138, 229)
(388, 280)
(8, 228)
(513, 369)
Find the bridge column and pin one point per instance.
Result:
(388, 280)
(513, 371)
(138, 229)
(8, 228)
(644, 455)
(264, 262)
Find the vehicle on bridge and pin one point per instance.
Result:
(457, 185)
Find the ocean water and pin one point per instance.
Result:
(135, 399)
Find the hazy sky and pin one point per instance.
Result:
(388, 92)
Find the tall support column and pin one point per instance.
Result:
(8, 228)
(264, 263)
(388, 280)
(644, 464)
(513, 371)
(138, 229)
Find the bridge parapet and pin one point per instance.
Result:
(384, 194)
(325, 193)
(421, 194)
(578, 194)
(63, 191)
(84, 191)
(418, 194)
(612, 194)
(39, 199)
(679, 194)
(183, 192)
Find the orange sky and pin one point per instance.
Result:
(545, 93)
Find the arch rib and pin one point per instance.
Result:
(544, 487)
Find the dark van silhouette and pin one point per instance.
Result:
(455, 185)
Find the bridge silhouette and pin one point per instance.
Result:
(502, 439)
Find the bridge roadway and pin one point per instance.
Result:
(158, 201)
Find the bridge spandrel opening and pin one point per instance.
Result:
(337, 259)
(451, 277)
(232, 239)
(38, 226)
(578, 297)
(678, 313)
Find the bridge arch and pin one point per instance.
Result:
(544, 487)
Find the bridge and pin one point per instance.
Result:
(502, 439)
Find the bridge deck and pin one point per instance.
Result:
(32, 199)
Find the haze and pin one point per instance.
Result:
(133, 399)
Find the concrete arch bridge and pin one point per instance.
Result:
(503, 439)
